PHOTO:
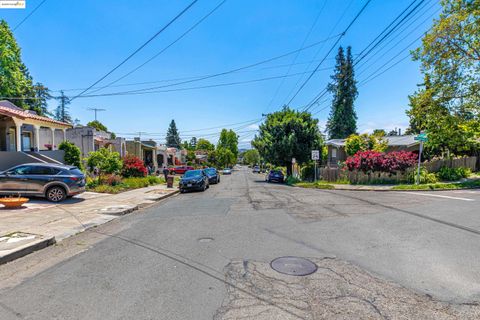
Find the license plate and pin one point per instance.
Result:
(189, 185)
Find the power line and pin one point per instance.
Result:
(29, 15)
(224, 84)
(298, 53)
(237, 69)
(164, 49)
(333, 46)
(138, 49)
(318, 51)
(372, 45)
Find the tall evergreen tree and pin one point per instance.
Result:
(62, 113)
(42, 94)
(173, 136)
(342, 121)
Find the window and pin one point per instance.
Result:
(334, 152)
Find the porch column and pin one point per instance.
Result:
(36, 133)
(18, 134)
(64, 134)
(53, 138)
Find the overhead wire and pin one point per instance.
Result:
(138, 49)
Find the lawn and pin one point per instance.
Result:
(440, 186)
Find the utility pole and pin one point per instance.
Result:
(96, 110)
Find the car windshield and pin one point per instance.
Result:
(276, 172)
(226, 169)
(211, 171)
(192, 173)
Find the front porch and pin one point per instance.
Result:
(22, 130)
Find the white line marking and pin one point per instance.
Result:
(440, 196)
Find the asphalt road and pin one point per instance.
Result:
(170, 261)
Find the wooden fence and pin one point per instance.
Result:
(335, 174)
(466, 162)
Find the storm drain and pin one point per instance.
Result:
(294, 266)
(205, 239)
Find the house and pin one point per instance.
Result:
(145, 150)
(26, 136)
(89, 139)
(336, 147)
(25, 130)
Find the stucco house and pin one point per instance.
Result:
(26, 137)
(336, 147)
(25, 130)
(89, 139)
(145, 150)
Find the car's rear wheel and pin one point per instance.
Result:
(56, 194)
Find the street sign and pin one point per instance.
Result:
(421, 137)
(315, 155)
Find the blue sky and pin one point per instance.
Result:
(71, 44)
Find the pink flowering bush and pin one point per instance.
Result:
(373, 161)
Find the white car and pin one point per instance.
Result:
(227, 171)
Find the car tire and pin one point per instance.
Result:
(56, 194)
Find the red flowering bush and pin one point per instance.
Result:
(133, 167)
(370, 161)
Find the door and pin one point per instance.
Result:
(14, 180)
(38, 177)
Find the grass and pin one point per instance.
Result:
(125, 184)
(314, 185)
(440, 186)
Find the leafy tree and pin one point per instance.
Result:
(15, 80)
(62, 113)
(97, 125)
(447, 104)
(225, 157)
(193, 143)
(72, 154)
(105, 161)
(228, 140)
(191, 157)
(392, 133)
(288, 134)
(342, 121)
(365, 142)
(204, 144)
(251, 156)
(173, 136)
(379, 133)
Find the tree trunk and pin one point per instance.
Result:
(289, 169)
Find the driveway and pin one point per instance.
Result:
(206, 255)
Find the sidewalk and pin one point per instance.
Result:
(362, 187)
(40, 223)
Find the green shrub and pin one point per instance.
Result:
(72, 154)
(292, 180)
(425, 176)
(307, 172)
(453, 174)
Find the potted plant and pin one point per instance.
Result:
(13, 202)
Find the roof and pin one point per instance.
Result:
(9, 109)
(392, 141)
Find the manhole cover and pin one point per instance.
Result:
(206, 239)
(294, 266)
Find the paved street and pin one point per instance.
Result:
(206, 255)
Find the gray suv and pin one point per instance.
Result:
(52, 181)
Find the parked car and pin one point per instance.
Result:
(52, 181)
(180, 169)
(194, 180)
(227, 171)
(275, 176)
(256, 169)
(212, 175)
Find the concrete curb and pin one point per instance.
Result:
(48, 241)
(27, 249)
